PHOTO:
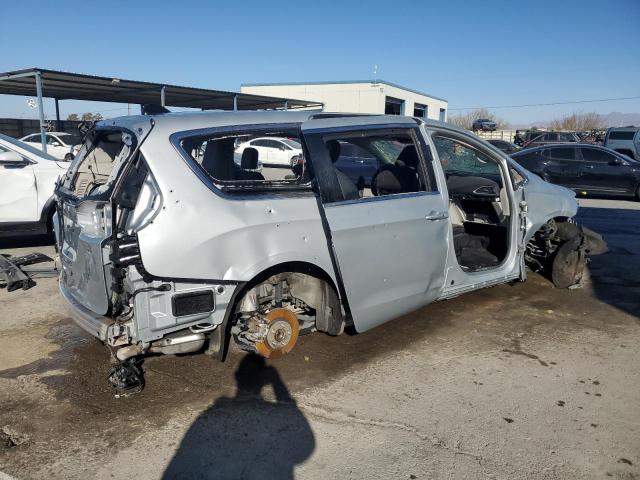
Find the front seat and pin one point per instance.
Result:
(249, 161)
(347, 187)
(398, 177)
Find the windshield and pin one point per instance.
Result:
(70, 138)
(26, 147)
(292, 143)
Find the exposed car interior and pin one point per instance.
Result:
(478, 205)
(234, 160)
(103, 151)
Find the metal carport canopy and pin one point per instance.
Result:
(76, 86)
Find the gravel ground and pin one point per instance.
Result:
(521, 381)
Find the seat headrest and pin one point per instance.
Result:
(249, 160)
(334, 150)
(409, 156)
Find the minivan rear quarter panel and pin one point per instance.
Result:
(233, 236)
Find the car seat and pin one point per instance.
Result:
(398, 177)
(249, 161)
(347, 187)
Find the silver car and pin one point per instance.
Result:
(169, 246)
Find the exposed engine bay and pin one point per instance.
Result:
(559, 251)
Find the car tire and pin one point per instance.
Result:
(69, 157)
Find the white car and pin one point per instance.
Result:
(27, 180)
(274, 151)
(61, 145)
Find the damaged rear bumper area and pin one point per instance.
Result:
(167, 318)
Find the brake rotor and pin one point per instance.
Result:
(282, 333)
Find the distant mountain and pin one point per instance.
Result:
(613, 119)
(617, 119)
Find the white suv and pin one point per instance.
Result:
(27, 180)
(61, 145)
(625, 140)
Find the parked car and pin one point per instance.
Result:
(357, 163)
(537, 138)
(275, 151)
(484, 124)
(27, 180)
(61, 145)
(585, 168)
(625, 140)
(506, 147)
(167, 252)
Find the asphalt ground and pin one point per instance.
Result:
(515, 381)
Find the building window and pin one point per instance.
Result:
(443, 115)
(393, 106)
(420, 111)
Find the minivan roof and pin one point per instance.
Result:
(182, 121)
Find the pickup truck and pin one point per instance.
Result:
(167, 245)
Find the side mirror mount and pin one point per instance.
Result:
(11, 157)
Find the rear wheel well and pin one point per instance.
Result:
(329, 316)
(289, 267)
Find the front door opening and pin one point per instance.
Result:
(478, 205)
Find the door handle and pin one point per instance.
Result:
(432, 216)
(588, 166)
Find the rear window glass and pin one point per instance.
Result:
(621, 135)
(233, 161)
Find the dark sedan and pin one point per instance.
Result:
(584, 168)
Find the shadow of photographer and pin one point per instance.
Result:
(246, 436)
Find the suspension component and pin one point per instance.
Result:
(271, 335)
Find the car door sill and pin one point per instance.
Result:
(457, 291)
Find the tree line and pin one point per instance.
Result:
(573, 121)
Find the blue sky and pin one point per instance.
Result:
(473, 53)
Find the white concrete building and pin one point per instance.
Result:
(358, 96)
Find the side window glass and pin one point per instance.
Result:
(233, 163)
(566, 137)
(369, 164)
(593, 155)
(563, 153)
(461, 160)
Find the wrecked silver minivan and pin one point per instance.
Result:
(173, 240)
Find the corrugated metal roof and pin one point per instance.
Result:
(77, 86)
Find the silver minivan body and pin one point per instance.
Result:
(186, 254)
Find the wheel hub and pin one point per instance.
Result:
(281, 335)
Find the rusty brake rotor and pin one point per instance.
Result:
(282, 333)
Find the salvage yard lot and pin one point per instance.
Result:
(521, 381)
